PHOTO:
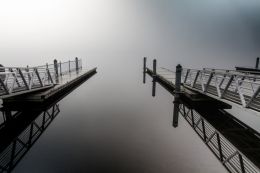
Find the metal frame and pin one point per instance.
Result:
(234, 86)
(228, 155)
(20, 80)
(11, 156)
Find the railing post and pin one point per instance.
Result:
(56, 69)
(144, 71)
(77, 64)
(154, 77)
(177, 96)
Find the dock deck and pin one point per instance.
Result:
(63, 83)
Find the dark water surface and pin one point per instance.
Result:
(111, 123)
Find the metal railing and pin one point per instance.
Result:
(18, 80)
(240, 88)
(234, 86)
(229, 156)
(14, 152)
(64, 68)
(234, 143)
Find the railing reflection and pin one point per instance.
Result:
(19, 130)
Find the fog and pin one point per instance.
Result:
(115, 108)
(218, 33)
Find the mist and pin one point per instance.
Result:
(219, 33)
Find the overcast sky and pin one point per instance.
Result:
(201, 33)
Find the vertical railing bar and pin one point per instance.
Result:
(219, 148)
(208, 82)
(38, 76)
(24, 81)
(69, 66)
(192, 118)
(241, 163)
(13, 82)
(3, 85)
(202, 81)
(186, 77)
(227, 86)
(203, 129)
(14, 75)
(241, 95)
(49, 74)
(196, 77)
(32, 78)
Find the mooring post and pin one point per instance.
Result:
(69, 66)
(2, 77)
(144, 71)
(257, 63)
(177, 91)
(60, 69)
(56, 70)
(154, 77)
(77, 64)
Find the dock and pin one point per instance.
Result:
(64, 77)
(234, 143)
(65, 82)
(26, 116)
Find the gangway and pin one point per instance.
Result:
(237, 87)
(20, 80)
(15, 81)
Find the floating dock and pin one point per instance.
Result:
(233, 142)
(64, 83)
(27, 116)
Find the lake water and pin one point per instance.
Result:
(111, 123)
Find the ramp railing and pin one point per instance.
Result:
(20, 80)
(15, 80)
(227, 153)
(13, 152)
(231, 85)
(240, 88)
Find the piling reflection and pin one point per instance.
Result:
(20, 129)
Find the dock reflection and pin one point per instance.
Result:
(23, 122)
(20, 129)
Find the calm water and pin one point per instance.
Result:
(111, 123)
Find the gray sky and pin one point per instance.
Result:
(201, 33)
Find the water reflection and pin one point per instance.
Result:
(23, 123)
(20, 129)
